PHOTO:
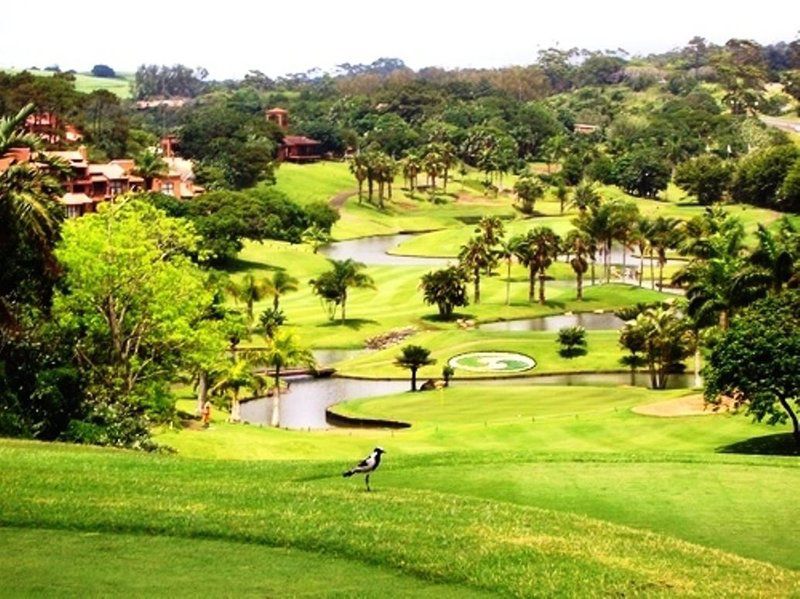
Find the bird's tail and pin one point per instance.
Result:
(347, 474)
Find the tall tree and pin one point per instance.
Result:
(280, 283)
(283, 350)
(236, 377)
(576, 245)
(446, 288)
(335, 284)
(150, 165)
(476, 256)
(414, 357)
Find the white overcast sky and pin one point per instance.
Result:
(230, 37)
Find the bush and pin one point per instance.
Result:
(705, 177)
(572, 341)
(760, 175)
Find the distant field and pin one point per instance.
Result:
(121, 85)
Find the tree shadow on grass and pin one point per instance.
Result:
(778, 444)
(455, 316)
(351, 323)
(239, 265)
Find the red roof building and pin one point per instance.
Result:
(294, 148)
(50, 128)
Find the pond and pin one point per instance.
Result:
(373, 251)
(329, 357)
(304, 406)
(589, 321)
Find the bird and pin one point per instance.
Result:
(367, 466)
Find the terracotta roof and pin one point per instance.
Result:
(109, 171)
(180, 167)
(76, 199)
(127, 164)
(74, 157)
(299, 140)
(277, 110)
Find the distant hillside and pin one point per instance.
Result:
(120, 85)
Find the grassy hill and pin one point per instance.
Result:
(87, 83)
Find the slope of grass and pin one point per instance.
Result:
(318, 182)
(61, 563)
(432, 536)
(87, 83)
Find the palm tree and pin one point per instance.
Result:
(537, 249)
(238, 375)
(585, 196)
(279, 284)
(623, 219)
(772, 262)
(474, 257)
(591, 226)
(250, 291)
(576, 244)
(284, 350)
(333, 285)
(491, 229)
(433, 163)
(528, 190)
(665, 341)
(664, 235)
(640, 236)
(505, 251)
(316, 237)
(13, 134)
(554, 149)
(562, 193)
(448, 156)
(150, 165)
(411, 168)
(414, 357)
(359, 169)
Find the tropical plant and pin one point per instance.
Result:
(359, 168)
(476, 256)
(585, 196)
(232, 380)
(572, 341)
(13, 133)
(249, 290)
(632, 338)
(271, 320)
(280, 283)
(414, 357)
(528, 189)
(284, 350)
(332, 286)
(149, 165)
(505, 251)
(576, 245)
(665, 341)
(446, 288)
(664, 235)
(491, 229)
(316, 237)
(447, 374)
(537, 249)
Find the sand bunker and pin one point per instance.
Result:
(691, 405)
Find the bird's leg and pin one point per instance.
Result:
(366, 480)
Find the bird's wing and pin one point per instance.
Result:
(365, 464)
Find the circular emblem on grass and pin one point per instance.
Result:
(493, 362)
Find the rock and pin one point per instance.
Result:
(390, 338)
(428, 385)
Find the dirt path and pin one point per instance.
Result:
(339, 199)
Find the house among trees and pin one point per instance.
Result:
(294, 148)
(584, 128)
(50, 128)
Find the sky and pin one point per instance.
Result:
(231, 37)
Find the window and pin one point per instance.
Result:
(167, 187)
(116, 188)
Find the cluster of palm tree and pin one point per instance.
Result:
(434, 160)
(332, 286)
(252, 290)
(378, 169)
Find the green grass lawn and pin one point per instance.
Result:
(318, 182)
(397, 301)
(463, 537)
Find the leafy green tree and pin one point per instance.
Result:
(528, 190)
(136, 308)
(642, 172)
(664, 235)
(772, 261)
(150, 165)
(332, 286)
(284, 350)
(249, 290)
(491, 230)
(789, 192)
(572, 341)
(757, 361)
(476, 256)
(562, 193)
(360, 170)
(446, 288)
(414, 357)
(632, 338)
(271, 319)
(760, 175)
(705, 177)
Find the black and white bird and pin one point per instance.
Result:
(367, 466)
